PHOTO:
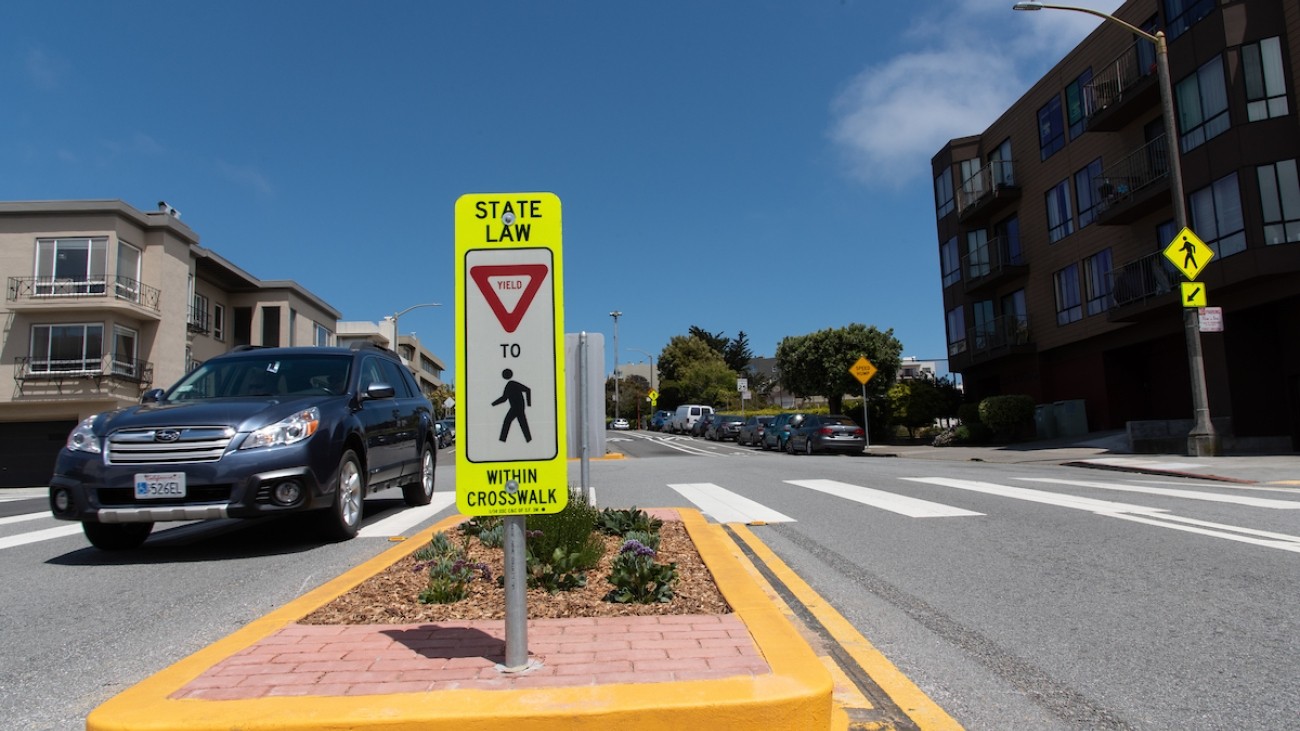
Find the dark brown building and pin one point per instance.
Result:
(1052, 222)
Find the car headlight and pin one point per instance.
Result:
(290, 430)
(83, 439)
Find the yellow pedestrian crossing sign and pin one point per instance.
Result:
(1193, 294)
(1188, 253)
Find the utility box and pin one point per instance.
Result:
(1045, 421)
(1071, 418)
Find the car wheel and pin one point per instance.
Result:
(420, 492)
(807, 447)
(789, 446)
(116, 536)
(341, 520)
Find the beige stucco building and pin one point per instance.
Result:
(103, 301)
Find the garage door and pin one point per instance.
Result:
(28, 450)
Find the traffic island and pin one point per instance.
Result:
(750, 669)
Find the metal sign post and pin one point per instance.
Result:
(863, 370)
(511, 423)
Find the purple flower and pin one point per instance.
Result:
(637, 547)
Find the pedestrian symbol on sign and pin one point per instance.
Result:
(519, 396)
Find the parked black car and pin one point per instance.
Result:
(251, 433)
(723, 427)
(697, 429)
(752, 432)
(827, 433)
(777, 436)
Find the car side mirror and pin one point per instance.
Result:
(152, 396)
(380, 390)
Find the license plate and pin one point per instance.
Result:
(159, 485)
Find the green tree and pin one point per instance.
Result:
(737, 353)
(680, 352)
(632, 392)
(707, 381)
(716, 341)
(916, 404)
(818, 364)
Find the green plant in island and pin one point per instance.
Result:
(493, 537)
(569, 532)
(449, 579)
(649, 539)
(561, 572)
(439, 546)
(637, 579)
(621, 522)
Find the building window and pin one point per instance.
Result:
(1060, 221)
(219, 322)
(977, 254)
(943, 193)
(1051, 128)
(1183, 14)
(271, 326)
(71, 266)
(1279, 193)
(72, 348)
(1096, 282)
(1216, 216)
(1069, 306)
(322, 335)
(1265, 87)
(1003, 169)
(1007, 235)
(1203, 105)
(199, 318)
(125, 352)
(1075, 111)
(983, 312)
(950, 260)
(293, 327)
(1085, 191)
(956, 331)
(128, 272)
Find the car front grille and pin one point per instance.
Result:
(168, 445)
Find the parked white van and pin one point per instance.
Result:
(687, 415)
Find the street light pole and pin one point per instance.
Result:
(1202, 441)
(616, 314)
(652, 365)
(396, 315)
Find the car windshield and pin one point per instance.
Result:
(281, 375)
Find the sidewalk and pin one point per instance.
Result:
(1109, 451)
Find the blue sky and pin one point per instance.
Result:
(753, 166)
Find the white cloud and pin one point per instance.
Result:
(247, 176)
(974, 59)
(43, 70)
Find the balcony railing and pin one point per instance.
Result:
(989, 261)
(50, 289)
(59, 370)
(1142, 279)
(999, 333)
(1122, 181)
(996, 180)
(1109, 83)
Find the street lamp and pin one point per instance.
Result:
(1202, 441)
(616, 314)
(396, 315)
(652, 365)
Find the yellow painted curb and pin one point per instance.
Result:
(795, 696)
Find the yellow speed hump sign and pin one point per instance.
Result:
(510, 401)
(863, 370)
(1188, 253)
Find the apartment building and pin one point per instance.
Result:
(423, 364)
(103, 302)
(1051, 224)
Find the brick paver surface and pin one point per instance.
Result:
(339, 660)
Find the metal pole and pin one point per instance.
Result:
(585, 451)
(866, 429)
(516, 593)
(1202, 441)
(615, 314)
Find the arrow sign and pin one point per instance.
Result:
(1193, 294)
(514, 281)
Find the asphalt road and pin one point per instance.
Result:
(1017, 596)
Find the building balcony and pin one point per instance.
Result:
(1140, 286)
(990, 190)
(1001, 337)
(199, 320)
(48, 376)
(49, 293)
(1121, 91)
(993, 263)
(1135, 186)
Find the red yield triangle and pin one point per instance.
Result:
(509, 318)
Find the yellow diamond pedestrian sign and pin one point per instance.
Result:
(1188, 253)
(863, 370)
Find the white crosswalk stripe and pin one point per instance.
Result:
(901, 504)
(725, 506)
(402, 521)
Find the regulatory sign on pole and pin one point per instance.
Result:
(510, 420)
